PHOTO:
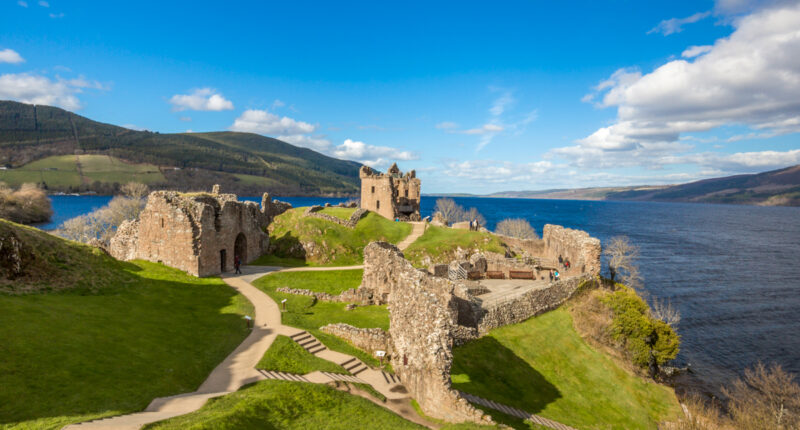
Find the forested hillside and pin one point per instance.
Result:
(242, 162)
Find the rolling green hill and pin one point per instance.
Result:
(241, 162)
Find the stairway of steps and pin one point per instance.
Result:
(345, 378)
(390, 378)
(354, 366)
(308, 342)
(271, 374)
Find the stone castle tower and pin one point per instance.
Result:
(392, 194)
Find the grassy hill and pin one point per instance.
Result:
(85, 336)
(241, 162)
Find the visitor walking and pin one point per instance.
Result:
(551, 276)
(237, 264)
(556, 275)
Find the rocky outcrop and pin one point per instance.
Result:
(15, 255)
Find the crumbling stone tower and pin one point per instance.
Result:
(391, 194)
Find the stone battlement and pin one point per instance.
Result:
(392, 194)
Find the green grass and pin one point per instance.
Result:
(335, 245)
(329, 281)
(341, 213)
(288, 405)
(543, 366)
(61, 171)
(439, 244)
(78, 355)
(307, 313)
(286, 355)
(274, 260)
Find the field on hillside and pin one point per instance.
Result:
(149, 331)
(439, 245)
(64, 171)
(333, 244)
(547, 369)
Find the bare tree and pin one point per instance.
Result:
(622, 255)
(135, 190)
(766, 398)
(29, 204)
(449, 210)
(664, 311)
(516, 227)
(472, 214)
(102, 224)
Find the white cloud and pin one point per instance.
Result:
(750, 78)
(318, 143)
(694, 51)
(277, 104)
(201, 99)
(10, 56)
(22, 3)
(37, 89)
(57, 15)
(264, 122)
(499, 105)
(501, 172)
(44, 4)
(371, 155)
(675, 25)
(486, 128)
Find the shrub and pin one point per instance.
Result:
(27, 205)
(516, 227)
(766, 398)
(102, 224)
(642, 335)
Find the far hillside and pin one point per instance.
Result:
(68, 152)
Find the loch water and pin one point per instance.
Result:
(732, 271)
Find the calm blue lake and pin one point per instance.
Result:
(733, 271)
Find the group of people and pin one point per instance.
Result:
(554, 275)
(563, 262)
(474, 225)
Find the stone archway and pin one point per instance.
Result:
(240, 248)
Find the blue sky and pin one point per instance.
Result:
(477, 97)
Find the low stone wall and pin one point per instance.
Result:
(353, 295)
(530, 304)
(314, 212)
(506, 265)
(582, 250)
(367, 339)
(532, 247)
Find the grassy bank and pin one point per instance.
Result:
(549, 370)
(439, 245)
(286, 355)
(85, 353)
(288, 405)
(306, 313)
(327, 243)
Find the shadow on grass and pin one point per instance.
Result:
(486, 368)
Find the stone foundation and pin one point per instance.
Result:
(367, 339)
(582, 250)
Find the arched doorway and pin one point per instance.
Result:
(240, 248)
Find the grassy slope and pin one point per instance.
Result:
(305, 313)
(288, 405)
(72, 356)
(61, 171)
(549, 370)
(328, 281)
(341, 213)
(337, 245)
(286, 355)
(440, 243)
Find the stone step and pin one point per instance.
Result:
(304, 338)
(307, 342)
(346, 363)
(298, 334)
(319, 348)
(390, 378)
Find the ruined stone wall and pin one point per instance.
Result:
(191, 231)
(533, 247)
(582, 250)
(367, 339)
(423, 321)
(314, 212)
(272, 208)
(529, 304)
(386, 194)
(377, 195)
(506, 265)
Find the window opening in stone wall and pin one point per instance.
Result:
(406, 193)
(373, 190)
(162, 222)
(223, 257)
(378, 204)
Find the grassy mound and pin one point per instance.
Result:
(75, 355)
(341, 213)
(328, 281)
(439, 245)
(32, 260)
(288, 405)
(285, 355)
(309, 314)
(298, 240)
(547, 369)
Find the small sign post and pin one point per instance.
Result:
(248, 321)
(283, 302)
(380, 355)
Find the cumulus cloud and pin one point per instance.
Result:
(675, 25)
(502, 172)
(264, 122)
(694, 51)
(317, 143)
(10, 56)
(38, 89)
(750, 78)
(201, 99)
(371, 155)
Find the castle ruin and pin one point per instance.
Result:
(393, 195)
(199, 233)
